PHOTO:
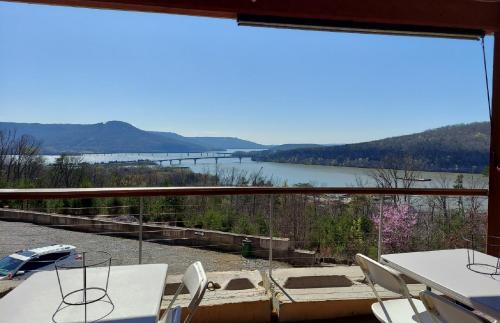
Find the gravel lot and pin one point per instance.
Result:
(18, 235)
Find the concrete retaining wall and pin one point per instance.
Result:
(238, 302)
(215, 240)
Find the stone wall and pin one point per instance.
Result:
(214, 240)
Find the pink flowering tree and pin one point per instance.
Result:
(397, 227)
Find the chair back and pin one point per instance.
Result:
(387, 278)
(447, 311)
(195, 281)
(381, 275)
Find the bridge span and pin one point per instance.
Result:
(195, 159)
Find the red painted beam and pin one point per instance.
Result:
(58, 193)
(461, 14)
(494, 185)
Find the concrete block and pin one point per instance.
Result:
(241, 298)
(42, 218)
(279, 244)
(322, 293)
(303, 258)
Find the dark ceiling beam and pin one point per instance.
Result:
(481, 15)
(493, 246)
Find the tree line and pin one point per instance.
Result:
(458, 148)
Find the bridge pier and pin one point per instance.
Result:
(240, 160)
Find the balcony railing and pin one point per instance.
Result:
(56, 193)
(281, 223)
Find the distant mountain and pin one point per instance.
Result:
(463, 148)
(294, 146)
(215, 143)
(114, 137)
(226, 143)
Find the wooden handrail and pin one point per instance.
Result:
(57, 193)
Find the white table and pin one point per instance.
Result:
(447, 272)
(136, 292)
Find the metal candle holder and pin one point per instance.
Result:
(479, 267)
(89, 294)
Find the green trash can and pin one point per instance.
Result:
(246, 247)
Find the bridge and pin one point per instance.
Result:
(202, 155)
(195, 159)
(208, 153)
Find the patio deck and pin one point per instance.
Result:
(334, 293)
(307, 294)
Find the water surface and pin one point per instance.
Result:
(279, 173)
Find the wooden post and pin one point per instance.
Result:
(494, 184)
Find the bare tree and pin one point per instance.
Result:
(396, 172)
(67, 171)
(20, 160)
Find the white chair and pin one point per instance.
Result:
(195, 280)
(406, 309)
(446, 311)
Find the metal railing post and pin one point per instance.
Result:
(380, 227)
(141, 209)
(272, 282)
(270, 236)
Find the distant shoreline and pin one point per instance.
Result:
(281, 173)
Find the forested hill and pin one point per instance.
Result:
(463, 147)
(215, 143)
(115, 137)
(293, 146)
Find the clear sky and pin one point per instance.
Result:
(202, 76)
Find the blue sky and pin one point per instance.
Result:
(202, 76)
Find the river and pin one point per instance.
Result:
(279, 173)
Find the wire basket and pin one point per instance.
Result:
(93, 269)
(479, 265)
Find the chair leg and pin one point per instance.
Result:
(191, 313)
(177, 292)
(379, 299)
